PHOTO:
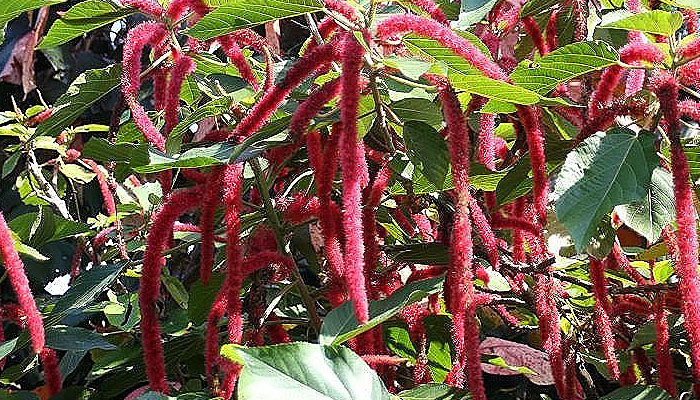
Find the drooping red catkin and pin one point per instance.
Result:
(353, 168)
(212, 198)
(160, 77)
(211, 345)
(312, 106)
(178, 8)
(425, 228)
(324, 161)
(148, 6)
(666, 89)
(690, 17)
(342, 8)
(159, 235)
(108, 199)
(604, 91)
(601, 311)
(465, 332)
(138, 37)
(484, 228)
(516, 224)
(690, 109)
(622, 261)
(184, 65)
(20, 284)
(52, 375)
(233, 191)
(550, 331)
(533, 30)
(530, 119)
(551, 30)
(77, 258)
(433, 9)
(486, 146)
(662, 348)
(398, 24)
(307, 64)
(235, 55)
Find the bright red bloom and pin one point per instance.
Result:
(621, 260)
(108, 199)
(484, 228)
(138, 37)
(551, 30)
(312, 106)
(212, 198)
(530, 119)
(353, 167)
(459, 287)
(147, 6)
(601, 311)
(178, 8)
(486, 147)
(184, 65)
(662, 348)
(52, 375)
(342, 8)
(14, 268)
(433, 9)
(159, 235)
(233, 190)
(550, 331)
(306, 65)
(235, 55)
(533, 30)
(399, 24)
(690, 17)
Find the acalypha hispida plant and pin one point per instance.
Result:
(265, 199)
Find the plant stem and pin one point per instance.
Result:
(279, 237)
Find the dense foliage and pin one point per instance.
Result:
(409, 199)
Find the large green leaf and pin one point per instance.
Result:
(304, 371)
(82, 18)
(87, 287)
(341, 324)
(419, 253)
(434, 391)
(656, 21)
(53, 227)
(563, 64)
(9, 9)
(241, 14)
(638, 392)
(474, 11)
(606, 170)
(72, 338)
(427, 149)
(85, 90)
(650, 215)
(464, 76)
(418, 110)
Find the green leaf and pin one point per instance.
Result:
(341, 324)
(10, 163)
(434, 391)
(472, 12)
(241, 14)
(656, 21)
(72, 338)
(638, 392)
(419, 253)
(103, 150)
(305, 371)
(12, 8)
(177, 290)
(606, 170)
(649, 216)
(85, 90)
(418, 110)
(691, 4)
(55, 228)
(464, 76)
(82, 18)
(77, 173)
(411, 68)
(7, 347)
(427, 149)
(533, 7)
(87, 287)
(210, 109)
(563, 64)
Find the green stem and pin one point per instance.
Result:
(279, 237)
